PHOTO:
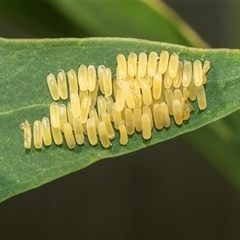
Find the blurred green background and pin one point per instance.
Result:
(184, 188)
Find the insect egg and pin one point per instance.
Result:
(128, 95)
(146, 126)
(62, 115)
(72, 80)
(129, 121)
(116, 116)
(122, 66)
(52, 86)
(93, 114)
(82, 77)
(132, 64)
(107, 82)
(201, 97)
(137, 114)
(75, 104)
(107, 121)
(37, 134)
(91, 74)
(197, 73)
(157, 85)
(123, 133)
(177, 81)
(62, 85)
(69, 114)
(169, 99)
(146, 92)
(54, 115)
(142, 64)
(157, 116)
(147, 109)
(177, 111)
(165, 114)
(68, 133)
(163, 62)
(78, 131)
(101, 70)
(152, 64)
(167, 81)
(103, 135)
(46, 132)
(173, 65)
(109, 103)
(101, 106)
(187, 73)
(93, 94)
(120, 100)
(85, 109)
(57, 135)
(27, 134)
(91, 132)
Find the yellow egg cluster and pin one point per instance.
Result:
(144, 93)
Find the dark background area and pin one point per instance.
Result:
(166, 191)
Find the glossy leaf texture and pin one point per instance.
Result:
(24, 96)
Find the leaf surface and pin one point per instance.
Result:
(24, 95)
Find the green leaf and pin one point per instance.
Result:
(139, 19)
(24, 95)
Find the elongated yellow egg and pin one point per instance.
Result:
(62, 85)
(37, 134)
(197, 73)
(52, 86)
(142, 64)
(75, 104)
(121, 66)
(177, 111)
(201, 97)
(62, 115)
(137, 118)
(132, 64)
(187, 73)
(163, 62)
(46, 132)
(123, 133)
(91, 75)
(173, 65)
(177, 81)
(57, 135)
(152, 63)
(69, 114)
(169, 99)
(146, 92)
(101, 106)
(83, 77)
(91, 132)
(107, 82)
(68, 134)
(146, 126)
(54, 115)
(84, 110)
(157, 116)
(129, 121)
(78, 131)
(109, 127)
(72, 80)
(103, 134)
(128, 95)
(120, 100)
(157, 85)
(101, 70)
